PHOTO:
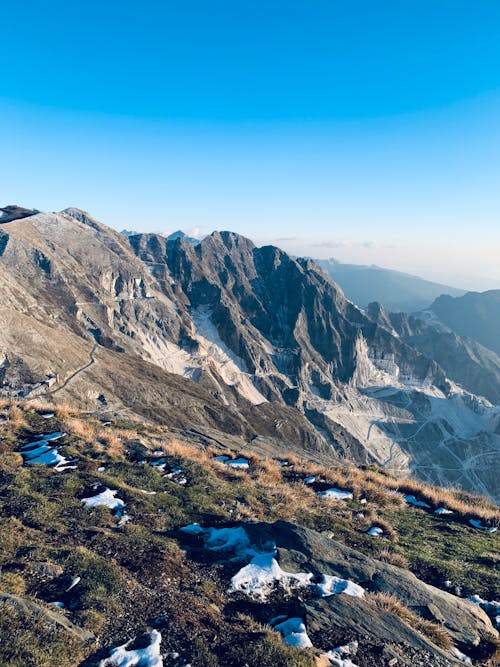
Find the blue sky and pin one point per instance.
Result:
(368, 131)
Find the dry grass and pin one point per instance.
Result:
(40, 405)
(432, 631)
(267, 473)
(393, 558)
(388, 491)
(65, 411)
(464, 504)
(190, 452)
(111, 443)
(16, 417)
(81, 428)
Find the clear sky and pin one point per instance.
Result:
(367, 131)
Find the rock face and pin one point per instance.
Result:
(464, 360)
(243, 341)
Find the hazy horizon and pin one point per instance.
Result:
(368, 134)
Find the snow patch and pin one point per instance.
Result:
(480, 526)
(335, 494)
(192, 529)
(492, 608)
(106, 499)
(43, 453)
(411, 500)
(461, 656)
(339, 657)
(294, 633)
(262, 574)
(442, 510)
(334, 586)
(375, 531)
(144, 657)
(241, 462)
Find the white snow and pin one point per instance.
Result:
(34, 449)
(331, 585)
(49, 457)
(42, 453)
(294, 633)
(240, 462)
(375, 531)
(57, 435)
(335, 494)
(48, 415)
(461, 656)
(442, 510)
(105, 499)
(262, 574)
(159, 463)
(176, 475)
(56, 603)
(477, 524)
(411, 500)
(229, 539)
(337, 656)
(145, 657)
(309, 480)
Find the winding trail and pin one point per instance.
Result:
(89, 363)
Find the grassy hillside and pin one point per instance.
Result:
(137, 571)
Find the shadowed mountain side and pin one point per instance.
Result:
(398, 292)
(476, 315)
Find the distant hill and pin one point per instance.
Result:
(398, 292)
(476, 315)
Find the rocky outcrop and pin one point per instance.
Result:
(303, 550)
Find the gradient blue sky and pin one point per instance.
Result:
(368, 131)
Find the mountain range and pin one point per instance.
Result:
(210, 456)
(396, 291)
(240, 342)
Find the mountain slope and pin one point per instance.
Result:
(134, 539)
(236, 342)
(476, 315)
(398, 292)
(464, 360)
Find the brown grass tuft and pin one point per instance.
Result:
(394, 558)
(65, 411)
(81, 428)
(112, 444)
(15, 415)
